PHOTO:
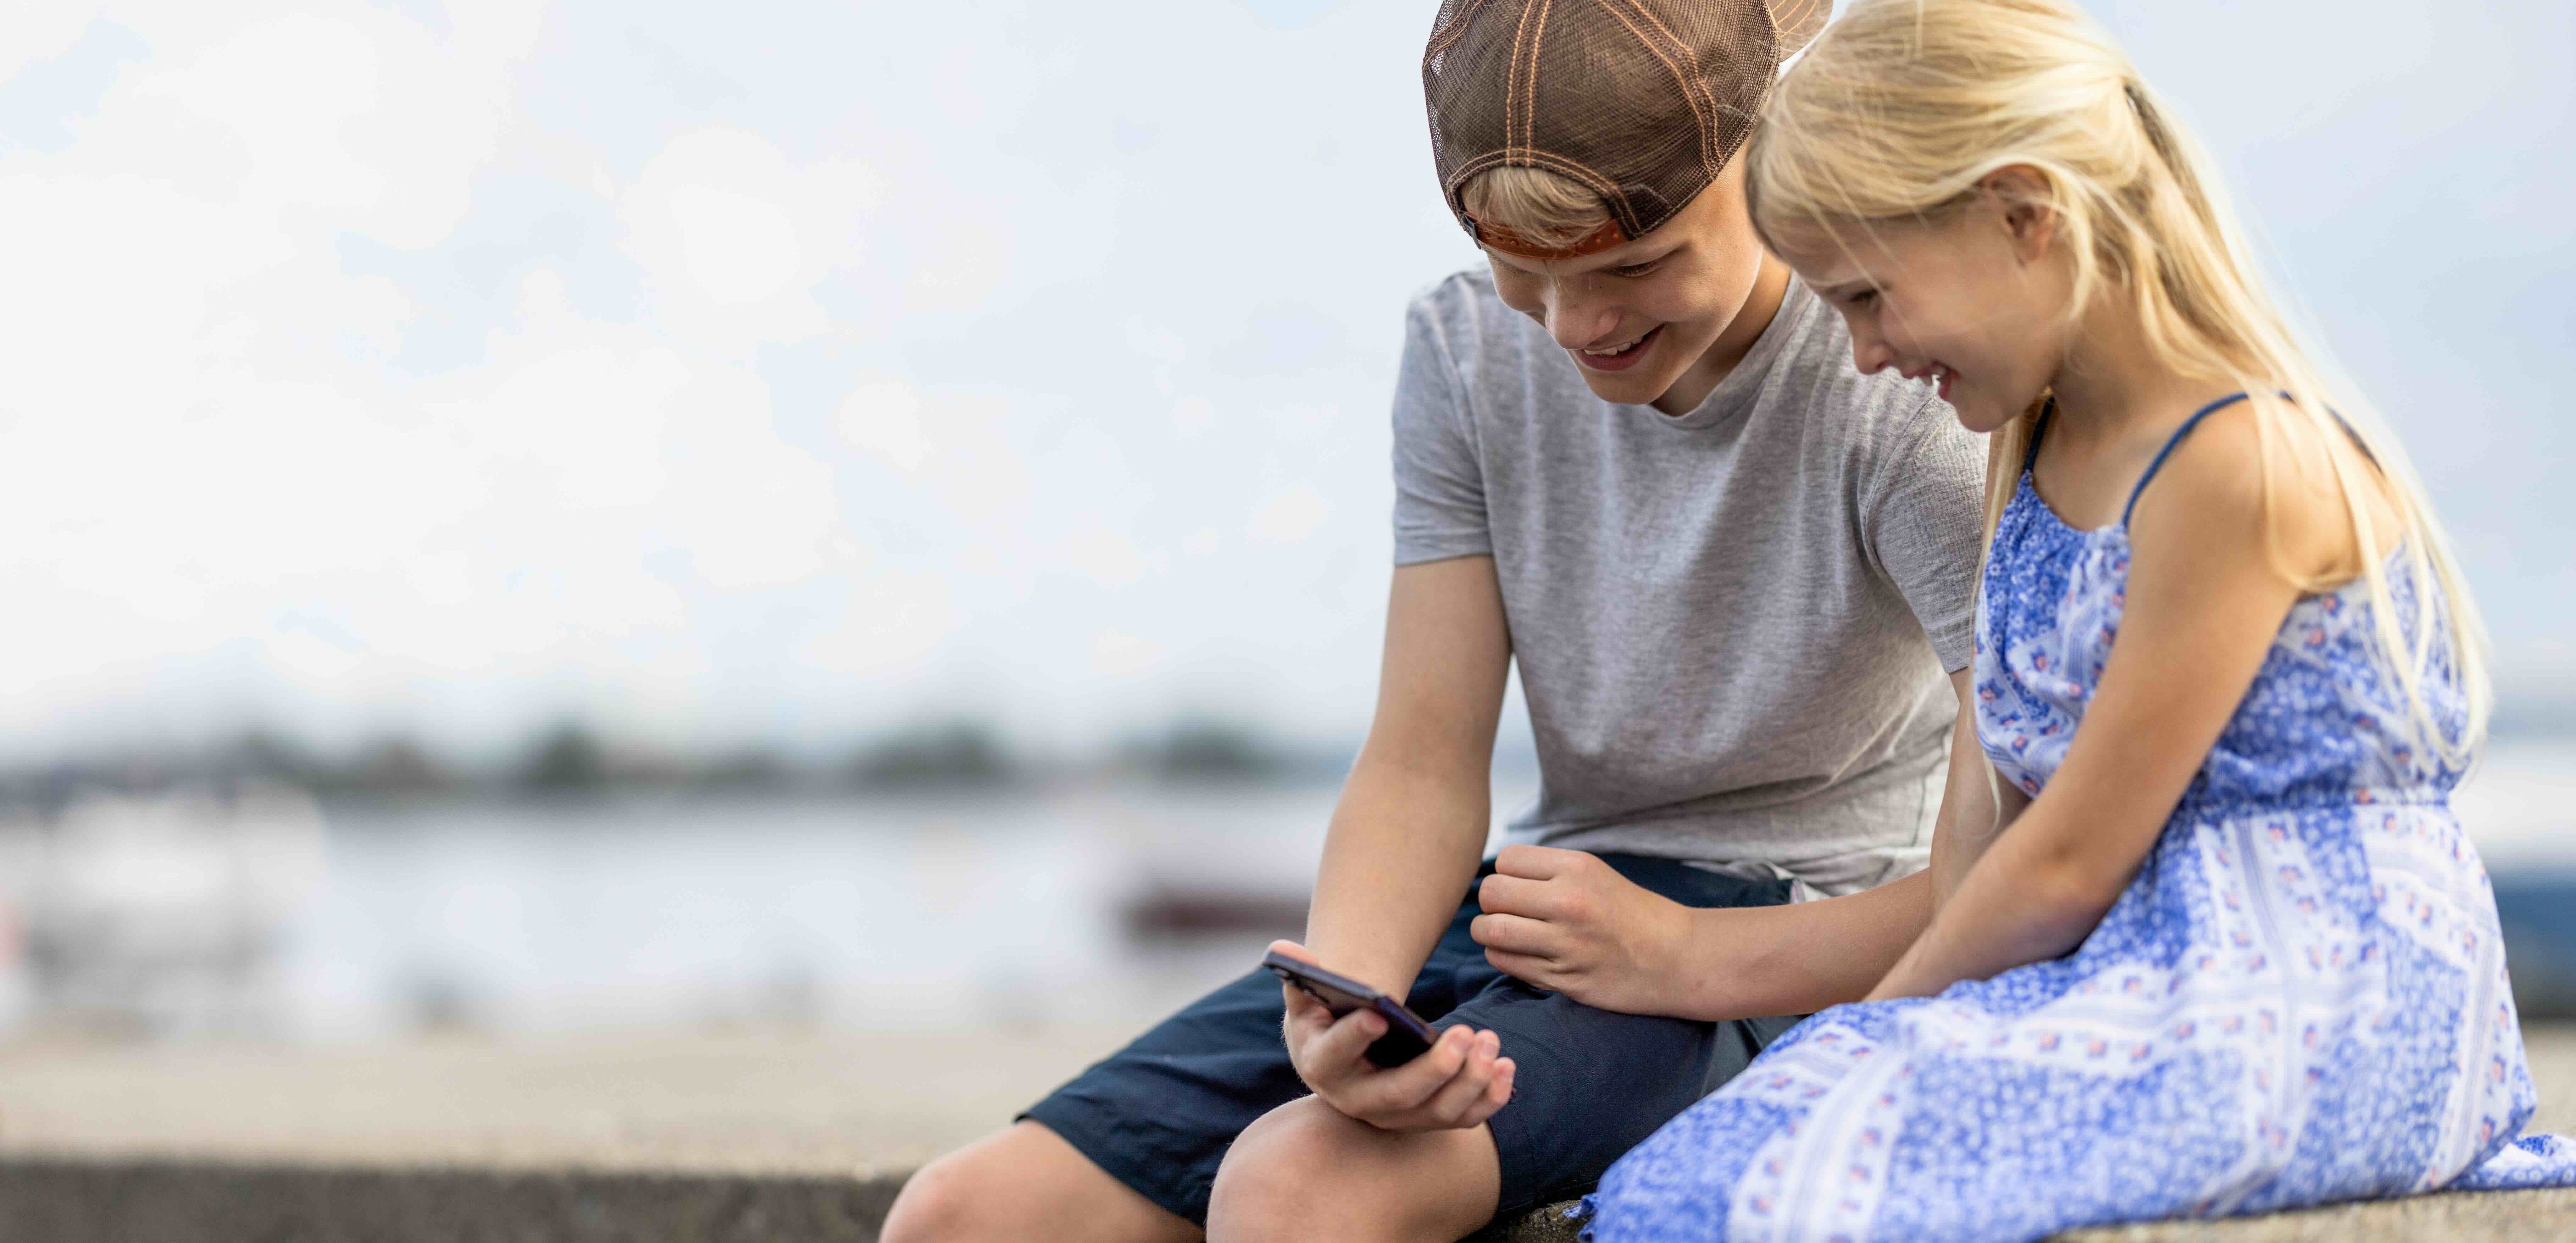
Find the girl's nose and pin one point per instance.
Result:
(1871, 355)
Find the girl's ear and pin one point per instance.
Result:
(2029, 214)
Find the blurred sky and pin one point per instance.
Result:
(786, 369)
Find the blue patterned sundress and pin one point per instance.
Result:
(2300, 999)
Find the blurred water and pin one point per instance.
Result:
(854, 913)
(2520, 807)
(522, 918)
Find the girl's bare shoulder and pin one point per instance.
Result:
(2270, 481)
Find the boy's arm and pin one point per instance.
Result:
(1563, 920)
(1404, 842)
(1976, 804)
(1411, 824)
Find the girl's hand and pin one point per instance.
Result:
(1564, 920)
(1457, 1085)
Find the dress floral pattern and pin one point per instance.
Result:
(2300, 999)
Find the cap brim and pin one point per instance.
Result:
(1512, 242)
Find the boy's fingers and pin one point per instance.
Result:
(1498, 1093)
(1305, 1011)
(1513, 895)
(1330, 1061)
(1535, 862)
(1296, 951)
(1335, 1053)
(1517, 934)
(1402, 1089)
(1424, 1076)
(1458, 1096)
(1527, 968)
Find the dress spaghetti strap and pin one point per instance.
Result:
(2038, 428)
(2166, 452)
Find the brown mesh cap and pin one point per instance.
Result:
(1642, 100)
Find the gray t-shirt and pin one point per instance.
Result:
(1731, 626)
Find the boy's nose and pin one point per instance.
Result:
(1577, 323)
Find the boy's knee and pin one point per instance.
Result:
(1025, 1182)
(1277, 1180)
(1306, 1171)
(950, 1200)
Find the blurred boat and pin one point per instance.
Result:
(1164, 911)
(1210, 861)
(160, 912)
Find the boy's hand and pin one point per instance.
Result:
(1458, 1084)
(1563, 920)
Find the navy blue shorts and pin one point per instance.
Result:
(1159, 1114)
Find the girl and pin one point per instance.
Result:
(2227, 950)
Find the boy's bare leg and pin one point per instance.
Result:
(1306, 1171)
(1026, 1182)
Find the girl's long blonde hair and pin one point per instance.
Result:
(1903, 107)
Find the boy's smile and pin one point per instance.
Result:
(1659, 320)
(1618, 357)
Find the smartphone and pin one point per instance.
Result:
(1407, 1036)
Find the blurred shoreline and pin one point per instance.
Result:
(955, 756)
(572, 760)
(843, 900)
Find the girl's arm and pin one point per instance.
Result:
(2205, 602)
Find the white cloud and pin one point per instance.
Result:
(1119, 654)
(1290, 515)
(204, 435)
(312, 655)
(443, 580)
(1105, 556)
(732, 234)
(740, 250)
(883, 417)
(33, 32)
(887, 626)
(960, 267)
(752, 510)
(589, 422)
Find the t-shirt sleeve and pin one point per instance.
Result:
(1439, 485)
(1924, 519)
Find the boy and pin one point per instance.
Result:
(1635, 458)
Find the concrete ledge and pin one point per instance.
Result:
(168, 1202)
(782, 1138)
(97, 1201)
